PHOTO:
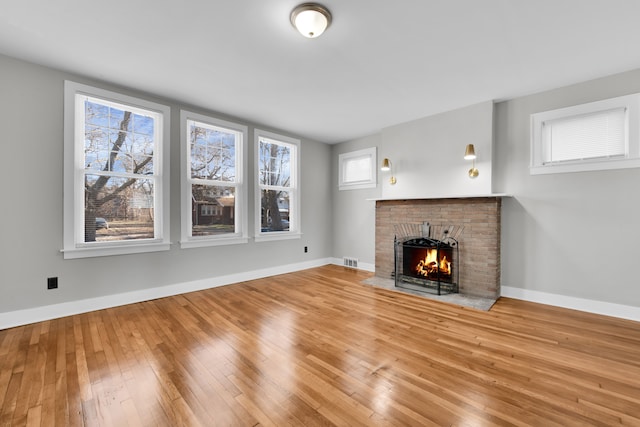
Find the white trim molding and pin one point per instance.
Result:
(591, 306)
(12, 319)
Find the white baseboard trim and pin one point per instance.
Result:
(38, 314)
(361, 265)
(581, 304)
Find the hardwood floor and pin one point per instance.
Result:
(319, 348)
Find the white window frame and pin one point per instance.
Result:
(345, 159)
(74, 171)
(295, 229)
(241, 195)
(631, 159)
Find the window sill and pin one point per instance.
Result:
(202, 243)
(275, 235)
(585, 166)
(90, 252)
(344, 187)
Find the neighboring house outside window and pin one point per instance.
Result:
(116, 173)
(214, 197)
(278, 186)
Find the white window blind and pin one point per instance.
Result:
(357, 169)
(599, 135)
(595, 135)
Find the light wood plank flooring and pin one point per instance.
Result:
(319, 348)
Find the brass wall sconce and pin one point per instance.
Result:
(386, 166)
(470, 154)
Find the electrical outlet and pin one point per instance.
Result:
(52, 283)
(306, 249)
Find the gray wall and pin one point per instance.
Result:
(31, 119)
(427, 156)
(353, 210)
(572, 234)
(567, 234)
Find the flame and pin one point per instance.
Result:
(430, 265)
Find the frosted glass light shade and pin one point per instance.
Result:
(310, 19)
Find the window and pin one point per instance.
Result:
(277, 192)
(214, 197)
(116, 173)
(357, 169)
(595, 136)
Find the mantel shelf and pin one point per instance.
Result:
(466, 196)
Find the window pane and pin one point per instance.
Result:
(212, 153)
(275, 164)
(96, 148)
(275, 210)
(118, 209)
(142, 144)
(96, 114)
(212, 210)
(109, 148)
(588, 136)
(142, 165)
(357, 169)
(143, 125)
(119, 119)
(120, 162)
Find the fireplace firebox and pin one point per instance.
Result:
(426, 263)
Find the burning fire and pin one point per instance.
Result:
(429, 265)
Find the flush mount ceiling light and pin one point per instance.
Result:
(311, 19)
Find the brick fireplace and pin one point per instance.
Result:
(479, 242)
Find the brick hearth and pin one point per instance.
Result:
(479, 241)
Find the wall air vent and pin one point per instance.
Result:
(350, 262)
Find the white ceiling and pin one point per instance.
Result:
(380, 63)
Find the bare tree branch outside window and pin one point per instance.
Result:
(275, 179)
(119, 184)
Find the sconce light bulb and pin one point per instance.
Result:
(470, 152)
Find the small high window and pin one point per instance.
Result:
(595, 136)
(357, 169)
